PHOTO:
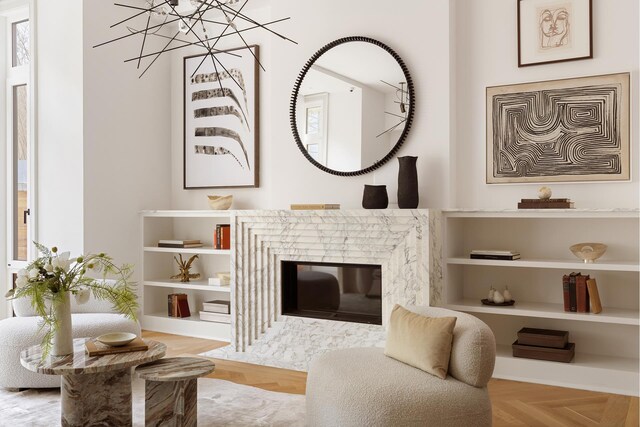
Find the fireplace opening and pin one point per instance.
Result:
(346, 292)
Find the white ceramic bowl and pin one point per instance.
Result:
(220, 203)
(588, 252)
(116, 339)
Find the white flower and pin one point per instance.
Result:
(21, 281)
(62, 261)
(22, 273)
(49, 268)
(82, 296)
(34, 273)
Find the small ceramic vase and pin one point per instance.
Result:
(375, 197)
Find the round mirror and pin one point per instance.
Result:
(352, 106)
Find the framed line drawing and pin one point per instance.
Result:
(571, 130)
(221, 119)
(554, 31)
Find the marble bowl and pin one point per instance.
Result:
(220, 203)
(588, 252)
(116, 339)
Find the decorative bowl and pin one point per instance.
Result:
(116, 339)
(220, 203)
(588, 252)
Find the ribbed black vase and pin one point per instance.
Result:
(408, 197)
(375, 197)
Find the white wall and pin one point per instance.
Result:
(60, 124)
(487, 56)
(344, 130)
(126, 136)
(285, 174)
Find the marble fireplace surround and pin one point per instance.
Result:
(400, 240)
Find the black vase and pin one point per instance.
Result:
(408, 197)
(375, 197)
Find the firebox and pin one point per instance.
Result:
(346, 292)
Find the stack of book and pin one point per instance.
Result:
(544, 344)
(179, 244)
(314, 206)
(216, 311)
(221, 279)
(222, 236)
(545, 204)
(178, 306)
(580, 294)
(494, 254)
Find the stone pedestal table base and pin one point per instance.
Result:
(97, 399)
(171, 403)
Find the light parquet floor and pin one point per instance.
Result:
(514, 403)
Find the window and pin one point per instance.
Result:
(315, 125)
(20, 43)
(20, 172)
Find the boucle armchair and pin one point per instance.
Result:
(363, 387)
(94, 318)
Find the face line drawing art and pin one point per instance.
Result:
(554, 28)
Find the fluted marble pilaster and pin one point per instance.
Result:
(403, 242)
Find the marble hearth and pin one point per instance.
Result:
(401, 241)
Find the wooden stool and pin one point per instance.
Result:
(171, 390)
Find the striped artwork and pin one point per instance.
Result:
(563, 131)
(220, 118)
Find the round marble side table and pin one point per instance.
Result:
(94, 390)
(171, 390)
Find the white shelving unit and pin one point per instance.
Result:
(606, 343)
(159, 265)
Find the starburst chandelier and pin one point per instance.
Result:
(183, 23)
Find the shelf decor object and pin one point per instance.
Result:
(551, 32)
(185, 268)
(534, 129)
(221, 143)
(220, 203)
(509, 303)
(588, 252)
(375, 197)
(179, 24)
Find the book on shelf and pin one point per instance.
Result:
(493, 252)
(96, 348)
(215, 317)
(544, 200)
(545, 205)
(222, 236)
(566, 293)
(314, 206)
(594, 296)
(178, 242)
(573, 302)
(582, 293)
(178, 305)
(180, 245)
(217, 306)
(498, 257)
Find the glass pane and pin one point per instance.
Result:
(313, 120)
(20, 158)
(20, 43)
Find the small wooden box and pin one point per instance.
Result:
(543, 337)
(544, 353)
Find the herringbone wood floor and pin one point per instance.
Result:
(514, 403)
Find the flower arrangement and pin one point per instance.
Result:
(50, 280)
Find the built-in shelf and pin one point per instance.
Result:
(200, 285)
(187, 214)
(543, 213)
(205, 250)
(632, 266)
(549, 311)
(604, 373)
(191, 326)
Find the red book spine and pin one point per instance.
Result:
(565, 292)
(225, 237)
(582, 294)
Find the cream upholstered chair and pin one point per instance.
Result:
(363, 387)
(92, 319)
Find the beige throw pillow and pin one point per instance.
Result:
(420, 341)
